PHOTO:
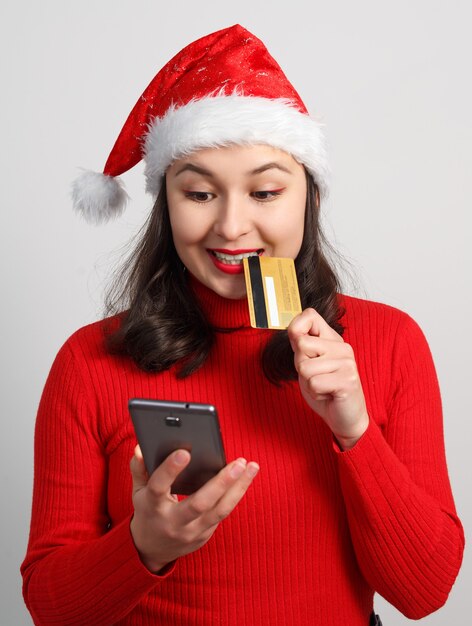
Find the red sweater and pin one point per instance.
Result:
(319, 531)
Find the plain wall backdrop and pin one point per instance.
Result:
(391, 81)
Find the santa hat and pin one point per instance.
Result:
(220, 90)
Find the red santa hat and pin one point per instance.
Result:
(220, 90)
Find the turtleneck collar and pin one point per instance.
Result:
(220, 312)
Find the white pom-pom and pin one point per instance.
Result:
(98, 197)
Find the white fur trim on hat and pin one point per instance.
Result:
(98, 197)
(219, 120)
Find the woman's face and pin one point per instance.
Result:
(233, 202)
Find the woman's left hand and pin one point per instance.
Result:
(328, 377)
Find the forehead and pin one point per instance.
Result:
(245, 160)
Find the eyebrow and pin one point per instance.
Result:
(270, 166)
(191, 167)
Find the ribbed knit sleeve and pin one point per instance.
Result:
(407, 537)
(77, 570)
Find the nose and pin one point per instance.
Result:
(232, 220)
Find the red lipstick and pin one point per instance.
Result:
(230, 268)
(245, 251)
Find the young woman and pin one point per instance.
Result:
(337, 485)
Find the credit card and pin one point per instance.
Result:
(272, 291)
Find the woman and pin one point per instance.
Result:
(337, 486)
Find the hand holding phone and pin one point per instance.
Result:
(164, 528)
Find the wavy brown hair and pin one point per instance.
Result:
(161, 322)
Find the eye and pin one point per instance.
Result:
(266, 196)
(199, 196)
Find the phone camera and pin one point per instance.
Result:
(172, 421)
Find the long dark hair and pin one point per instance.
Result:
(161, 321)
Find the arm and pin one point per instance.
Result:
(76, 570)
(407, 537)
(406, 534)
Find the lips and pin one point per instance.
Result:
(231, 261)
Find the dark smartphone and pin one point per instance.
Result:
(163, 426)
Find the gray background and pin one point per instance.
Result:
(392, 83)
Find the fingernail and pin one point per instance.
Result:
(238, 468)
(180, 457)
(252, 469)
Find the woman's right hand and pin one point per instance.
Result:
(164, 528)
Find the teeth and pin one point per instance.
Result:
(233, 259)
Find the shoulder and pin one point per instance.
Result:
(92, 337)
(89, 343)
(389, 345)
(354, 306)
(359, 311)
(84, 365)
(365, 320)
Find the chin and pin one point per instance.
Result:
(230, 294)
(233, 290)
(235, 296)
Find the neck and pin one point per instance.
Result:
(220, 312)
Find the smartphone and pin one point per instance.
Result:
(162, 426)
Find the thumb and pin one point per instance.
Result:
(163, 477)
(138, 470)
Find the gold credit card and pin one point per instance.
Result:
(272, 291)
